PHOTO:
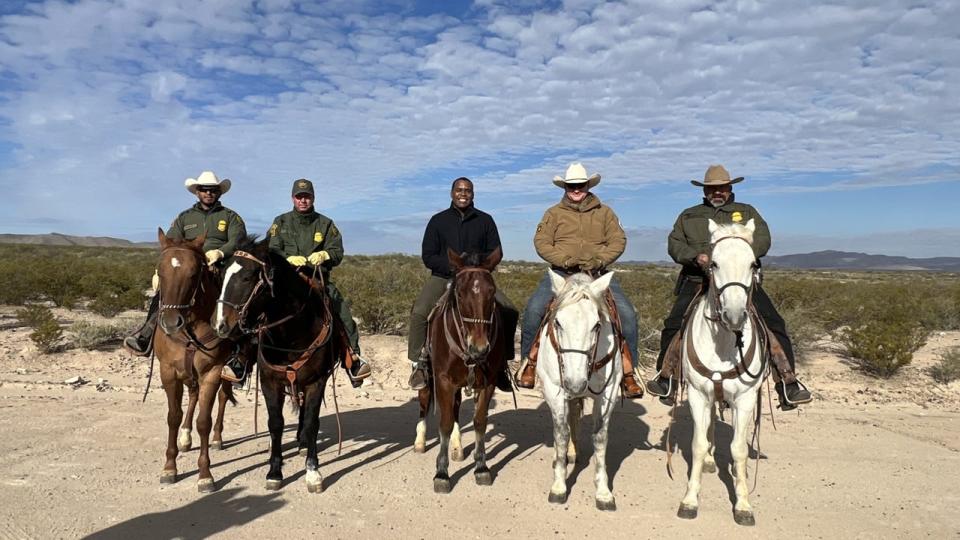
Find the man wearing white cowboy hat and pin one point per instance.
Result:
(223, 228)
(689, 245)
(578, 234)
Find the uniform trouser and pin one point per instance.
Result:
(431, 292)
(688, 291)
(341, 308)
(540, 299)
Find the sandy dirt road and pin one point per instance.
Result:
(865, 460)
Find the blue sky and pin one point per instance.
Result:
(838, 114)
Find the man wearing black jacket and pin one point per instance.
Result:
(464, 229)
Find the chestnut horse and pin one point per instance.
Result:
(264, 295)
(190, 353)
(466, 350)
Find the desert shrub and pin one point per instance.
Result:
(46, 331)
(947, 368)
(885, 337)
(85, 335)
(381, 290)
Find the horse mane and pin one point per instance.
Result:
(733, 229)
(473, 259)
(248, 243)
(576, 290)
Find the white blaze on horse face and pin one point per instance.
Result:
(476, 286)
(231, 271)
(174, 262)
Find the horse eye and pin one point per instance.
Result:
(557, 323)
(713, 264)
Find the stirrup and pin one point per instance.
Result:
(786, 404)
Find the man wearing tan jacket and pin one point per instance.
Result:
(578, 234)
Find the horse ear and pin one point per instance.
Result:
(493, 259)
(162, 238)
(557, 282)
(751, 226)
(601, 284)
(712, 226)
(456, 262)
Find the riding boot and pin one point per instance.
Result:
(236, 368)
(526, 376)
(356, 367)
(420, 374)
(790, 391)
(140, 343)
(663, 385)
(629, 386)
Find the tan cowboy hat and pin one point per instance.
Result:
(716, 175)
(576, 174)
(207, 178)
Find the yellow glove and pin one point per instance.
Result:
(213, 256)
(318, 257)
(155, 281)
(297, 260)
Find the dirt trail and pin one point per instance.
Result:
(866, 459)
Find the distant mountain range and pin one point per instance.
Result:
(822, 260)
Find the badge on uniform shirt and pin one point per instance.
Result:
(273, 230)
(737, 217)
(221, 225)
(318, 236)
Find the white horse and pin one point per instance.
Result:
(716, 368)
(579, 357)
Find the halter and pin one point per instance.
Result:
(591, 354)
(196, 288)
(457, 343)
(241, 309)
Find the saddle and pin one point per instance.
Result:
(615, 319)
(672, 358)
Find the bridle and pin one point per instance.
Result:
(716, 300)
(196, 288)
(457, 342)
(242, 308)
(590, 354)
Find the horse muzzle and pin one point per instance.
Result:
(171, 321)
(734, 319)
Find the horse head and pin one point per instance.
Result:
(474, 301)
(180, 270)
(246, 289)
(575, 326)
(732, 268)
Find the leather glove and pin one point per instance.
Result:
(297, 260)
(318, 257)
(213, 256)
(571, 262)
(155, 281)
(588, 265)
(703, 261)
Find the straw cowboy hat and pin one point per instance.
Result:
(716, 175)
(207, 178)
(576, 174)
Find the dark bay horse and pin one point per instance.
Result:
(263, 295)
(190, 353)
(466, 341)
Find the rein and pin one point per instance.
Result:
(196, 288)
(457, 341)
(595, 363)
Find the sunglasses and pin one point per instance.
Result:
(575, 187)
(208, 190)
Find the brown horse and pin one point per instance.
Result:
(190, 353)
(466, 350)
(264, 295)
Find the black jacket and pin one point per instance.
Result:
(472, 232)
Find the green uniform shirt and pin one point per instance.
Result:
(691, 235)
(294, 233)
(223, 227)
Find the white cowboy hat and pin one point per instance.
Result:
(207, 178)
(576, 174)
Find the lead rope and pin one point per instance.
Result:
(336, 409)
(153, 354)
(256, 403)
(756, 439)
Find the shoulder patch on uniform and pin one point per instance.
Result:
(737, 217)
(540, 227)
(318, 236)
(334, 230)
(273, 230)
(222, 225)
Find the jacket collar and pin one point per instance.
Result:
(216, 206)
(307, 217)
(726, 205)
(589, 203)
(468, 213)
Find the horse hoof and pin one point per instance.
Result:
(441, 485)
(709, 468)
(687, 512)
(607, 506)
(557, 498)
(273, 485)
(484, 478)
(315, 488)
(216, 445)
(168, 477)
(419, 448)
(184, 447)
(457, 455)
(744, 517)
(206, 485)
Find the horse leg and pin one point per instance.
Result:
(445, 402)
(602, 410)
(700, 406)
(174, 391)
(423, 396)
(311, 427)
(185, 439)
(216, 441)
(456, 445)
(742, 418)
(481, 473)
(561, 439)
(573, 418)
(709, 461)
(209, 386)
(273, 399)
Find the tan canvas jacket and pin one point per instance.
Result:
(570, 234)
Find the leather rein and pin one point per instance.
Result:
(191, 339)
(596, 364)
(456, 341)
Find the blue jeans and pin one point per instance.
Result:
(537, 308)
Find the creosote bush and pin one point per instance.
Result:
(46, 331)
(886, 335)
(947, 368)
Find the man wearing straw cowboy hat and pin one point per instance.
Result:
(689, 245)
(579, 234)
(223, 228)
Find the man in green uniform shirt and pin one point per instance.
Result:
(223, 229)
(689, 245)
(311, 240)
